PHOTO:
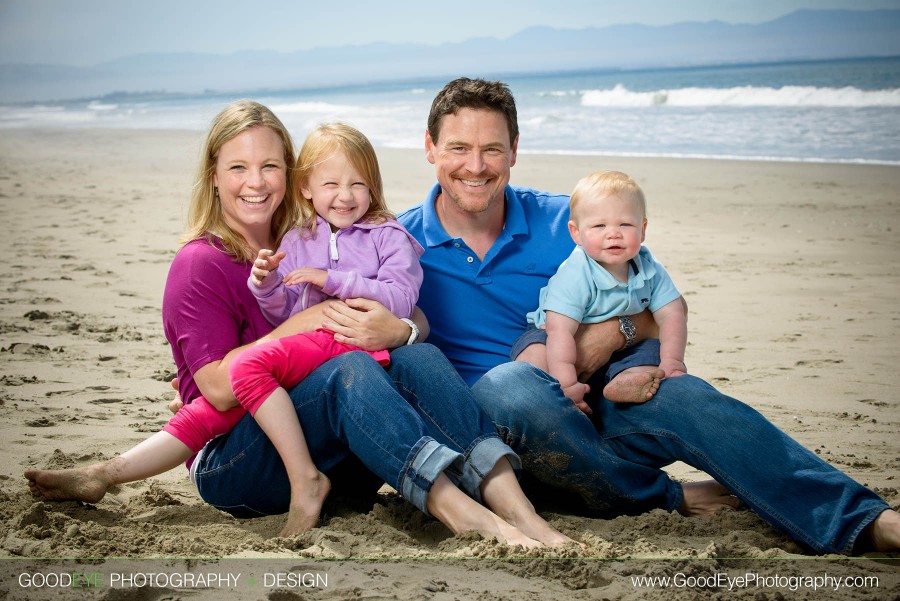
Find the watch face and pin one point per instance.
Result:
(627, 328)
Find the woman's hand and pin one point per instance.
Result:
(364, 323)
(176, 403)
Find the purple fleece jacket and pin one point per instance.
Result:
(377, 261)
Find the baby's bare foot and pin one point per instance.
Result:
(86, 484)
(706, 498)
(306, 505)
(633, 386)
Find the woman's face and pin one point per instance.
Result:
(251, 177)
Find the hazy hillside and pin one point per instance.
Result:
(801, 35)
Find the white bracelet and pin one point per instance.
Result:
(414, 335)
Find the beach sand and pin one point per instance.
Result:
(790, 271)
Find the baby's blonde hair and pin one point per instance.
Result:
(322, 143)
(605, 183)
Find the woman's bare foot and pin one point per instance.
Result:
(306, 505)
(87, 484)
(536, 527)
(706, 498)
(633, 386)
(884, 532)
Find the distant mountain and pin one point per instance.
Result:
(802, 35)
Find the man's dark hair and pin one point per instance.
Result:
(465, 93)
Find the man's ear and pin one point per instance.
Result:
(513, 150)
(429, 147)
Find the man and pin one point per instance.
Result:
(490, 248)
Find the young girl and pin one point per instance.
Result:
(348, 245)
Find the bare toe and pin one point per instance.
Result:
(637, 387)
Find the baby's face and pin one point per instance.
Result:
(609, 227)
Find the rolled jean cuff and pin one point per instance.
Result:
(427, 460)
(531, 335)
(480, 459)
(852, 548)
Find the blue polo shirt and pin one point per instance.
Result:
(476, 309)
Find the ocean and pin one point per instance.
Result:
(826, 111)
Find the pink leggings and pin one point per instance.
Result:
(259, 370)
(255, 374)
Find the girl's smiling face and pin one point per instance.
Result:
(338, 191)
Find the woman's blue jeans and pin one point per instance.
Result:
(407, 424)
(612, 459)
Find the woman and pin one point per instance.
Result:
(414, 424)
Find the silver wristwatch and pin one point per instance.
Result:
(626, 326)
(414, 335)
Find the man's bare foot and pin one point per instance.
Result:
(706, 498)
(633, 386)
(884, 532)
(87, 484)
(306, 505)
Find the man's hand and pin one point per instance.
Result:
(266, 262)
(175, 404)
(364, 323)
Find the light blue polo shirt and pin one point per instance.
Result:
(476, 309)
(588, 293)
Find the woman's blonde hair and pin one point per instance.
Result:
(322, 143)
(205, 216)
(607, 182)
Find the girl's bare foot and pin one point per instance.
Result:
(87, 484)
(306, 505)
(633, 386)
(706, 498)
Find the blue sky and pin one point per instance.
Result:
(87, 32)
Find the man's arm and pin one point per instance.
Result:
(598, 341)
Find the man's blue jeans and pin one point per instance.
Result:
(407, 424)
(612, 459)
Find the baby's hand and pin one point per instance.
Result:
(306, 275)
(266, 262)
(673, 367)
(575, 393)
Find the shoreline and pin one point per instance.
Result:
(788, 270)
(522, 152)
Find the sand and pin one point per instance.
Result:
(790, 271)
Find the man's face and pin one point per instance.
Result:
(472, 158)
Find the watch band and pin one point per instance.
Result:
(414, 335)
(628, 329)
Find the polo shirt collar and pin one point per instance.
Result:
(435, 234)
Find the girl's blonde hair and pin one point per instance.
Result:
(322, 143)
(604, 183)
(205, 216)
